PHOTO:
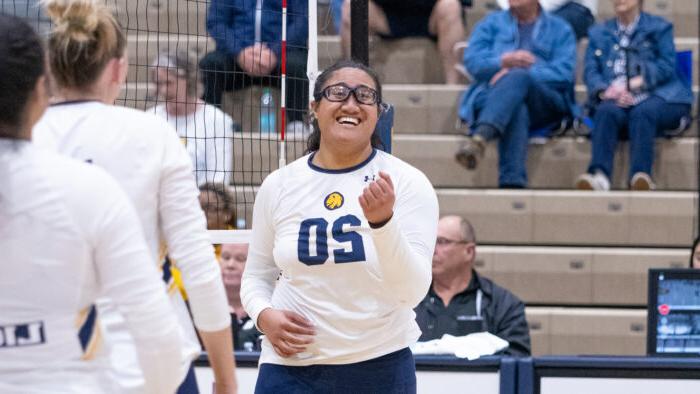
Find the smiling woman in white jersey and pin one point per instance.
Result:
(349, 231)
(87, 55)
(68, 233)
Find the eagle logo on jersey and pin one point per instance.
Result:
(334, 200)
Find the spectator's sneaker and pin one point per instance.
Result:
(642, 181)
(597, 181)
(298, 129)
(471, 151)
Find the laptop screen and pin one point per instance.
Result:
(674, 312)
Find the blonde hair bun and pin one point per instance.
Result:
(76, 19)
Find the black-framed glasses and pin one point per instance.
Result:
(340, 92)
(442, 241)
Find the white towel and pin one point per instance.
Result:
(470, 346)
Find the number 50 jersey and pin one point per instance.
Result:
(313, 252)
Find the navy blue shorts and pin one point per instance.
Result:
(394, 373)
(189, 385)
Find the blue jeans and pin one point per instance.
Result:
(513, 105)
(641, 123)
(394, 373)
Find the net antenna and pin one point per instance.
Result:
(283, 87)
(311, 69)
(312, 58)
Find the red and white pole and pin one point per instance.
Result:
(283, 87)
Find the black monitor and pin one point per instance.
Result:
(674, 312)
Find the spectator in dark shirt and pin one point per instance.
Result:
(695, 254)
(233, 259)
(248, 51)
(460, 301)
(437, 19)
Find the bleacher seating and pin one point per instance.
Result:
(585, 331)
(576, 275)
(161, 16)
(585, 280)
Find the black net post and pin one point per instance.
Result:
(359, 31)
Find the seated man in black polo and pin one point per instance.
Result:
(461, 302)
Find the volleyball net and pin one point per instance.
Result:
(249, 59)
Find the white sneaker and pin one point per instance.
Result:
(298, 129)
(597, 181)
(642, 181)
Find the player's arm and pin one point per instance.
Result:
(260, 272)
(288, 332)
(127, 275)
(183, 227)
(406, 221)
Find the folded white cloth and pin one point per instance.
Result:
(470, 346)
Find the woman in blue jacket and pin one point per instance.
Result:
(635, 91)
(522, 62)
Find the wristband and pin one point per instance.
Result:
(380, 224)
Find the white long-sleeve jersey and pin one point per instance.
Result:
(208, 136)
(68, 234)
(148, 160)
(357, 285)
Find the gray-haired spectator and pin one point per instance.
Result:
(634, 90)
(579, 13)
(206, 131)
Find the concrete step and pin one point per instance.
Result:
(682, 13)
(554, 165)
(574, 331)
(404, 61)
(431, 109)
(563, 218)
(576, 276)
(542, 217)
(420, 108)
(189, 16)
(186, 17)
(144, 47)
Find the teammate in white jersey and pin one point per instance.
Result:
(68, 233)
(87, 55)
(206, 130)
(349, 231)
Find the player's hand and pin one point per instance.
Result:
(288, 332)
(377, 199)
